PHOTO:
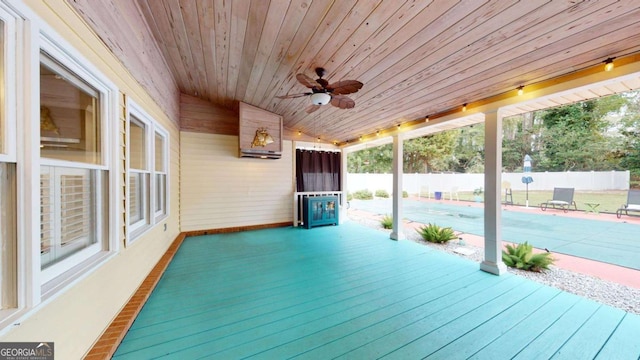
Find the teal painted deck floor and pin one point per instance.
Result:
(349, 292)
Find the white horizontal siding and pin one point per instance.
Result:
(219, 189)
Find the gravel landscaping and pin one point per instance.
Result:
(606, 292)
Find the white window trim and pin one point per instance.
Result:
(159, 216)
(8, 150)
(137, 230)
(69, 60)
(47, 40)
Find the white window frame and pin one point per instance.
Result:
(66, 270)
(11, 78)
(8, 112)
(163, 212)
(135, 113)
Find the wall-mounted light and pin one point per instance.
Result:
(360, 138)
(378, 133)
(608, 64)
(520, 90)
(464, 107)
(299, 132)
(426, 119)
(399, 126)
(318, 138)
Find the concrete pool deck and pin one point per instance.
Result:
(619, 274)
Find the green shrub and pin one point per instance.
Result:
(386, 222)
(349, 196)
(405, 194)
(382, 193)
(363, 195)
(436, 234)
(522, 257)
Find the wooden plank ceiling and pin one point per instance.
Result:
(415, 58)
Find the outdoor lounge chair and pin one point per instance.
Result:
(633, 203)
(562, 198)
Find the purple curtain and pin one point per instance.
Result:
(317, 170)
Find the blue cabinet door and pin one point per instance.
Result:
(320, 210)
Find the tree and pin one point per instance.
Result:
(469, 150)
(573, 137)
(370, 160)
(431, 153)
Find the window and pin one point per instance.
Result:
(8, 179)
(138, 176)
(160, 169)
(69, 115)
(73, 177)
(8, 280)
(147, 173)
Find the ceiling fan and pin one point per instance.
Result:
(322, 92)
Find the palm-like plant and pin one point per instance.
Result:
(522, 257)
(436, 234)
(386, 222)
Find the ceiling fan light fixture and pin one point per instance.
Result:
(320, 98)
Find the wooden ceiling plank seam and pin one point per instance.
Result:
(450, 35)
(480, 60)
(149, 19)
(258, 12)
(356, 14)
(291, 25)
(480, 93)
(301, 41)
(273, 25)
(206, 13)
(396, 53)
(181, 38)
(160, 19)
(222, 26)
(239, 25)
(468, 57)
(407, 20)
(495, 67)
(190, 16)
(326, 27)
(381, 15)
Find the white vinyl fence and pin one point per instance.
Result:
(430, 183)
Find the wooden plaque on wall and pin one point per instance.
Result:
(260, 132)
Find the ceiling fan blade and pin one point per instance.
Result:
(312, 108)
(293, 96)
(344, 87)
(308, 82)
(342, 102)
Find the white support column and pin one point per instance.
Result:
(397, 233)
(342, 216)
(492, 262)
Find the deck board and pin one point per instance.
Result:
(350, 292)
